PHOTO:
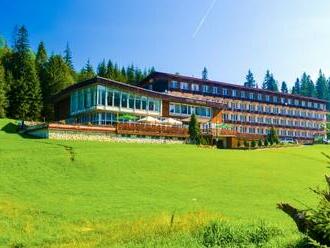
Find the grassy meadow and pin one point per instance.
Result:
(98, 194)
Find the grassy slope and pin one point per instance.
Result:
(43, 192)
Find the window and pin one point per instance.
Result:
(174, 85)
(259, 97)
(110, 98)
(144, 103)
(309, 104)
(275, 99)
(205, 88)
(234, 92)
(124, 100)
(131, 102)
(225, 92)
(282, 100)
(151, 105)
(195, 87)
(215, 90)
(183, 109)
(296, 102)
(184, 86)
(251, 96)
(267, 98)
(138, 102)
(243, 94)
(116, 99)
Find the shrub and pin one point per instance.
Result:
(266, 142)
(253, 143)
(239, 144)
(260, 143)
(315, 223)
(246, 144)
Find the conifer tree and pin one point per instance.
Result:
(25, 93)
(269, 82)
(130, 74)
(194, 130)
(102, 69)
(250, 82)
(321, 86)
(296, 89)
(205, 74)
(87, 72)
(57, 77)
(68, 57)
(3, 97)
(284, 87)
(307, 86)
(109, 69)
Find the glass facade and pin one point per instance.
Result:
(188, 110)
(107, 98)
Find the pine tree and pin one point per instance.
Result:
(102, 69)
(130, 74)
(284, 87)
(109, 69)
(87, 72)
(269, 82)
(194, 130)
(205, 74)
(3, 96)
(68, 57)
(307, 86)
(296, 89)
(25, 94)
(58, 77)
(250, 82)
(321, 87)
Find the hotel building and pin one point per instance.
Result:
(246, 112)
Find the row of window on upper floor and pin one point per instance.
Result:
(271, 121)
(215, 90)
(275, 110)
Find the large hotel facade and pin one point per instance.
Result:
(236, 110)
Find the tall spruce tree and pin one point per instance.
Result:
(25, 93)
(269, 82)
(87, 72)
(321, 86)
(194, 130)
(68, 56)
(205, 73)
(102, 69)
(284, 87)
(58, 77)
(296, 89)
(250, 82)
(130, 74)
(307, 86)
(3, 96)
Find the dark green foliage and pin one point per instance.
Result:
(253, 144)
(246, 144)
(296, 88)
(315, 222)
(87, 72)
(272, 137)
(284, 87)
(250, 82)
(102, 69)
(25, 93)
(57, 78)
(266, 142)
(321, 87)
(194, 130)
(205, 74)
(307, 87)
(3, 97)
(269, 82)
(68, 57)
(223, 234)
(260, 143)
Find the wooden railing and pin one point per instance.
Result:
(152, 130)
(218, 132)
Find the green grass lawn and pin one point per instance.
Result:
(69, 193)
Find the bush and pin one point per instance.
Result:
(266, 142)
(239, 144)
(260, 143)
(253, 144)
(246, 144)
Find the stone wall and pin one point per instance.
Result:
(107, 137)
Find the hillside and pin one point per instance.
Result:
(71, 193)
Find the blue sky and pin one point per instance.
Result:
(287, 37)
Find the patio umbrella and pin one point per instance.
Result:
(171, 121)
(149, 119)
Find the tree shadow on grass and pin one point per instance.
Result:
(10, 128)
